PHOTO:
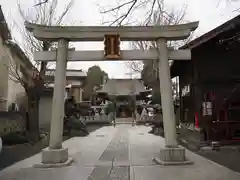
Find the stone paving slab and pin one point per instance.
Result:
(182, 173)
(202, 169)
(118, 148)
(66, 173)
(84, 150)
(121, 153)
(105, 173)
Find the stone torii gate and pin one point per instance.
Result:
(56, 155)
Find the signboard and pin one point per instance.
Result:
(112, 46)
(207, 108)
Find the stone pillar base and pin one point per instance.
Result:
(172, 156)
(54, 158)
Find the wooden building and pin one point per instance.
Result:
(126, 92)
(210, 83)
(75, 81)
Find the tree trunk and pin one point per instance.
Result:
(156, 86)
(32, 115)
(156, 94)
(33, 94)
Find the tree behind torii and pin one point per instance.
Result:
(123, 10)
(149, 70)
(46, 14)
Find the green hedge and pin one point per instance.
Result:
(14, 138)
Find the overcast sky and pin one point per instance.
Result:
(86, 12)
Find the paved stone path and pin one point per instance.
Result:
(121, 153)
(117, 150)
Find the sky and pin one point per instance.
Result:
(210, 14)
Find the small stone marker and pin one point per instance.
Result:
(215, 146)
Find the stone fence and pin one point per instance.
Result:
(11, 122)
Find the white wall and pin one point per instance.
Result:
(10, 88)
(15, 91)
(4, 78)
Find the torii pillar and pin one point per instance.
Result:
(171, 154)
(56, 155)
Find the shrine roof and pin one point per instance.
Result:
(4, 30)
(11, 44)
(229, 25)
(214, 38)
(123, 87)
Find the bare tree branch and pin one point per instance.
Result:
(228, 2)
(40, 3)
(46, 14)
(123, 10)
(43, 14)
(148, 19)
(13, 69)
(119, 6)
(158, 17)
(121, 18)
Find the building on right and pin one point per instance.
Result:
(209, 84)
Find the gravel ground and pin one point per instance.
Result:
(227, 157)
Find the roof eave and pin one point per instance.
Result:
(6, 32)
(213, 33)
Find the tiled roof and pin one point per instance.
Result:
(232, 23)
(4, 30)
(13, 46)
(122, 87)
(16, 49)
